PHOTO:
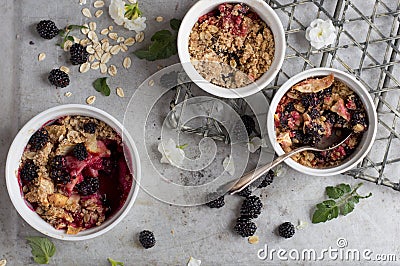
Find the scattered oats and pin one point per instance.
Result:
(139, 37)
(91, 99)
(90, 49)
(97, 56)
(84, 42)
(108, 49)
(104, 40)
(68, 94)
(41, 56)
(120, 92)
(95, 65)
(127, 62)
(113, 36)
(76, 39)
(85, 30)
(159, 67)
(159, 19)
(124, 48)
(151, 83)
(96, 46)
(67, 45)
(103, 68)
(112, 70)
(120, 39)
(91, 58)
(92, 26)
(98, 4)
(64, 69)
(98, 13)
(130, 41)
(82, 2)
(93, 36)
(84, 67)
(3, 262)
(86, 12)
(253, 240)
(104, 32)
(111, 28)
(105, 58)
(115, 49)
(105, 46)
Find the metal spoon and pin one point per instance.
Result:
(326, 144)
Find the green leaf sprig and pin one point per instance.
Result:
(65, 34)
(164, 44)
(342, 200)
(115, 263)
(42, 249)
(101, 85)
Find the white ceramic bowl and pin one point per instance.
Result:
(14, 160)
(368, 136)
(265, 12)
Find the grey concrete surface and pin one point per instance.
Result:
(181, 232)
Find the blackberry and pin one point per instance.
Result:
(89, 127)
(251, 207)
(38, 139)
(310, 100)
(80, 152)
(47, 29)
(289, 107)
(147, 239)
(60, 176)
(358, 117)
(29, 171)
(314, 113)
(249, 123)
(59, 78)
(245, 192)
(57, 162)
(216, 203)
(331, 117)
(79, 55)
(245, 227)
(298, 136)
(88, 186)
(286, 230)
(267, 180)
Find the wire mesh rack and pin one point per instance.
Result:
(367, 46)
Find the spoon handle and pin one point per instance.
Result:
(253, 175)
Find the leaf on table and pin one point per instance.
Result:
(175, 24)
(115, 263)
(101, 86)
(42, 249)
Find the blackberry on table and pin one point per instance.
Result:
(245, 227)
(57, 162)
(38, 139)
(267, 180)
(245, 192)
(80, 152)
(60, 176)
(286, 230)
(89, 127)
(79, 55)
(47, 29)
(29, 171)
(251, 207)
(249, 123)
(216, 203)
(88, 186)
(147, 239)
(59, 78)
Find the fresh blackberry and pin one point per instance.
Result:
(38, 139)
(251, 207)
(310, 100)
(286, 230)
(57, 162)
(88, 186)
(245, 227)
(314, 113)
(29, 171)
(216, 203)
(59, 78)
(358, 117)
(80, 152)
(249, 123)
(147, 239)
(47, 29)
(267, 180)
(289, 107)
(60, 176)
(89, 127)
(79, 55)
(245, 192)
(331, 117)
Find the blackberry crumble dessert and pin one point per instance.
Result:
(312, 110)
(73, 173)
(231, 46)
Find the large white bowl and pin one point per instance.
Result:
(265, 12)
(368, 136)
(14, 160)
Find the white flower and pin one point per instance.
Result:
(228, 165)
(137, 25)
(321, 33)
(255, 143)
(171, 153)
(128, 15)
(193, 262)
(302, 225)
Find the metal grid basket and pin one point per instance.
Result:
(367, 46)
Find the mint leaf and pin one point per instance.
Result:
(334, 192)
(101, 85)
(347, 208)
(76, 27)
(42, 249)
(345, 187)
(175, 24)
(115, 263)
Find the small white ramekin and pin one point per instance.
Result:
(266, 13)
(14, 160)
(368, 136)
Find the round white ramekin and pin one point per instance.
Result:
(266, 13)
(14, 160)
(368, 136)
